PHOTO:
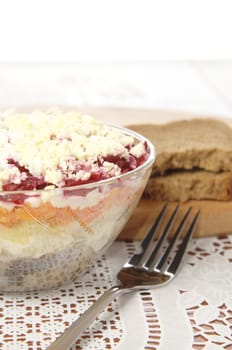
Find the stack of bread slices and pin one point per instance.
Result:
(194, 160)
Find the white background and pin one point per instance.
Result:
(75, 30)
(174, 55)
(202, 87)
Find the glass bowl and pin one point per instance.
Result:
(49, 237)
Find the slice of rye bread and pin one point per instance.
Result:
(187, 144)
(186, 185)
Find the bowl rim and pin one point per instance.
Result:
(149, 161)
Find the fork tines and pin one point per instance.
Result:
(158, 258)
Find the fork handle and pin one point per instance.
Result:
(66, 340)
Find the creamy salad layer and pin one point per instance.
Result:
(33, 239)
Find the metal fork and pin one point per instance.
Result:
(148, 268)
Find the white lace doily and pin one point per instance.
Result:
(192, 312)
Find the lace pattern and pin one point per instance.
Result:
(193, 312)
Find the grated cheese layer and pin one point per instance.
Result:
(59, 146)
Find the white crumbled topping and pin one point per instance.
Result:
(57, 144)
(54, 176)
(12, 174)
(138, 150)
(111, 168)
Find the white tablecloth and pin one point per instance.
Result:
(194, 311)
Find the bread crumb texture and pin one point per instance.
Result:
(194, 160)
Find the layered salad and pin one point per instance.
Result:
(65, 193)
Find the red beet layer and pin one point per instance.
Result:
(37, 183)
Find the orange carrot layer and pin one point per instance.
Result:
(48, 214)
